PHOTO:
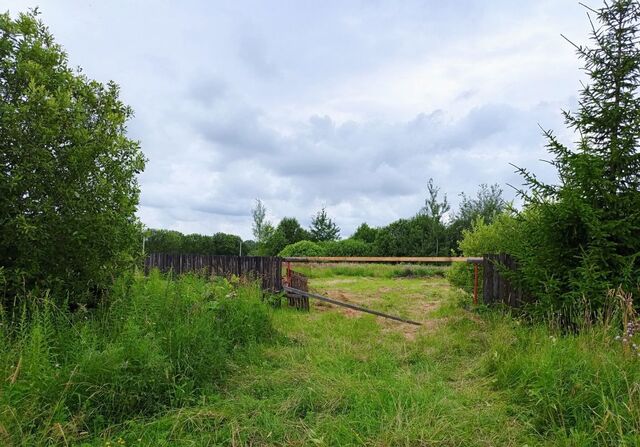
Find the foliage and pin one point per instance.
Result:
(261, 227)
(504, 235)
(68, 188)
(487, 204)
(421, 235)
(323, 228)
(433, 207)
(365, 233)
(286, 233)
(162, 343)
(169, 241)
(587, 227)
(302, 248)
(347, 247)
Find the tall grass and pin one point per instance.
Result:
(159, 344)
(580, 389)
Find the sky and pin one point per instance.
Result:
(350, 105)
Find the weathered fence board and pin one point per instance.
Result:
(267, 269)
(297, 281)
(496, 287)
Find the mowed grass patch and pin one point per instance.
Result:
(322, 270)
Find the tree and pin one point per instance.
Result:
(286, 233)
(487, 204)
(418, 236)
(587, 234)
(323, 228)
(261, 228)
(68, 188)
(432, 206)
(292, 230)
(365, 233)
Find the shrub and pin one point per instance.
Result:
(68, 188)
(504, 235)
(347, 247)
(303, 248)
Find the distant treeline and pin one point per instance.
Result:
(428, 233)
(433, 231)
(169, 241)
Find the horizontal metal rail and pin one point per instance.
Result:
(383, 259)
(350, 306)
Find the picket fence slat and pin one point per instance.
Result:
(496, 286)
(267, 269)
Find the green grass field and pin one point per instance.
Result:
(337, 377)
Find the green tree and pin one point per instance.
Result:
(68, 188)
(487, 204)
(323, 228)
(365, 233)
(587, 235)
(433, 207)
(261, 227)
(292, 230)
(418, 236)
(286, 233)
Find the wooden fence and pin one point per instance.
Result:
(297, 281)
(267, 269)
(496, 286)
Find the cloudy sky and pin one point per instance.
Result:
(352, 105)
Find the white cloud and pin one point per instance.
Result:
(352, 105)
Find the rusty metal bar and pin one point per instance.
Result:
(383, 259)
(475, 283)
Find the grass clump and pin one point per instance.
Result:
(160, 344)
(578, 389)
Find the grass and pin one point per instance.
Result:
(335, 377)
(328, 270)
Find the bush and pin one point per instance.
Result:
(302, 248)
(161, 343)
(503, 235)
(68, 188)
(347, 247)
(419, 236)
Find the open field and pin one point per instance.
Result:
(253, 376)
(344, 378)
(337, 377)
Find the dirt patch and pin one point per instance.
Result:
(415, 307)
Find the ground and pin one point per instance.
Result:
(340, 378)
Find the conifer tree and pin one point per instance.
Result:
(588, 236)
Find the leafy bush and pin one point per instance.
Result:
(161, 343)
(303, 248)
(347, 247)
(419, 236)
(68, 188)
(503, 235)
